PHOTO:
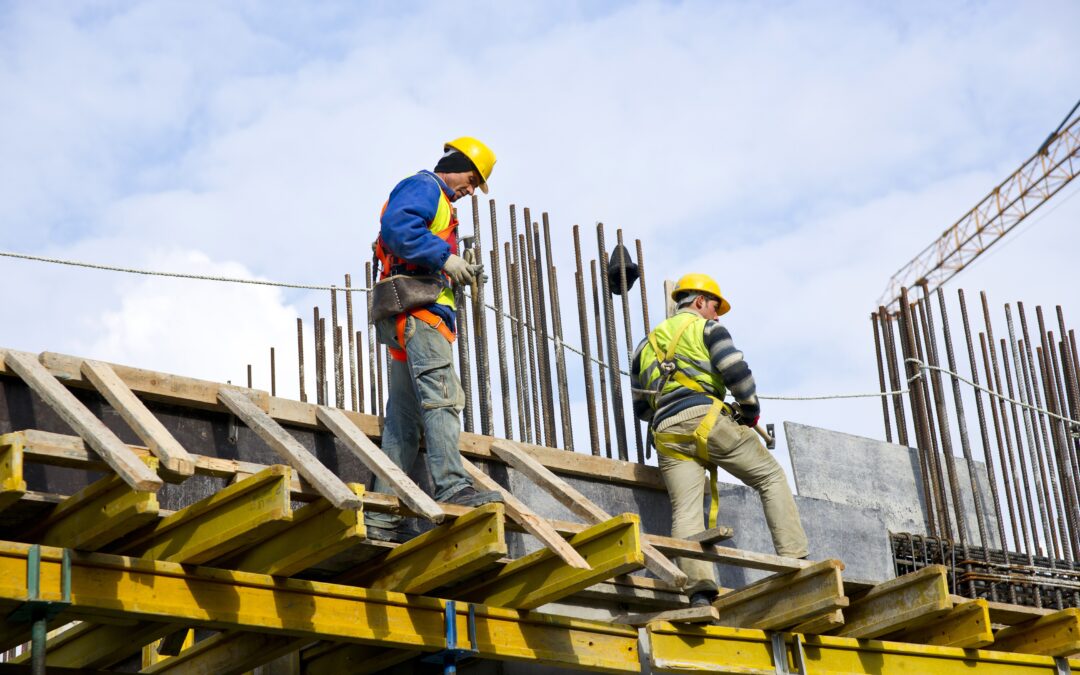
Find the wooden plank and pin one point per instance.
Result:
(224, 523)
(905, 602)
(451, 552)
(635, 591)
(687, 615)
(580, 504)
(297, 456)
(966, 626)
(1007, 614)
(785, 600)
(91, 429)
(527, 519)
(175, 460)
(12, 483)
(820, 625)
(314, 533)
(1056, 634)
(611, 548)
(230, 653)
(382, 466)
(712, 535)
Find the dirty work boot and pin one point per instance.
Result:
(397, 535)
(469, 496)
(702, 598)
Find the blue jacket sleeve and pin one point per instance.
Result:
(404, 225)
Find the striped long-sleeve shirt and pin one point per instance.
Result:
(725, 360)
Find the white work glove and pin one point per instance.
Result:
(460, 271)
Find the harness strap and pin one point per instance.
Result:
(667, 364)
(427, 316)
(700, 438)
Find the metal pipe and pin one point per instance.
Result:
(623, 293)
(612, 349)
(881, 377)
(300, 356)
(600, 353)
(529, 334)
(579, 284)
(560, 353)
(894, 375)
(500, 333)
(352, 345)
(915, 392)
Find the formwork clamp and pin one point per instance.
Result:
(37, 611)
(780, 653)
(452, 655)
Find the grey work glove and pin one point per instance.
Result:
(460, 271)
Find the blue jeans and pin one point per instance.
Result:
(425, 396)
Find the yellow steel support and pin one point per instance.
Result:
(315, 532)
(100, 513)
(12, 485)
(612, 547)
(150, 590)
(744, 651)
(225, 522)
(1056, 634)
(967, 625)
(905, 602)
(450, 552)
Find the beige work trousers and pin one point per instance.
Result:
(738, 450)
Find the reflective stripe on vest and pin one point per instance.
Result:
(675, 356)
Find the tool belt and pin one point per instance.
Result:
(401, 293)
(700, 439)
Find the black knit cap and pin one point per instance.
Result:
(454, 162)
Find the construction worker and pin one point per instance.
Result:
(418, 237)
(682, 371)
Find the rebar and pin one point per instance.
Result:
(352, 345)
(500, 334)
(600, 353)
(319, 364)
(273, 374)
(586, 362)
(560, 353)
(529, 332)
(612, 349)
(918, 410)
(483, 370)
(1022, 468)
(1016, 512)
(540, 326)
(359, 372)
(523, 344)
(322, 361)
(300, 357)
(937, 471)
(249, 375)
(1067, 523)
(339, 364)
(894, 375)
(647, 327)
(623, 293)
(521, 380)
(881, 377)
(464, 355)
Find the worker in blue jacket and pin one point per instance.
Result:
(418, 236)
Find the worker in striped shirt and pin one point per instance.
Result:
(682, 372)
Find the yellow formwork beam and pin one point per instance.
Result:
(12, 484)
(785, 600)
(230, 653)
(91, 645)
(334, 659)
(314, 533)
(151, 653)
(105, 586)
(225, 522)
(898, 604)
(450, 552)
(745, 651)
(967, 625)
(1056, 634)
(100, 513)
(612, 547)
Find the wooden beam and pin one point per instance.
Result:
(334, 658)
(298, 457)
(231, 653)
(1056, 634)
(93, 645)
(712, 535)
(785, 600)
(129, 588)
(687, 615)
(635, 591)
(611, 548)
(99, 514)
(902, 603)
(449, 553)
(1007, 614)
(91, 429)
(820, 625)
(175, 460)
(12, 483)
(580, 504)
(314, 533)
(375, 459)
(967, 626)
(527, 519)
(223, 523)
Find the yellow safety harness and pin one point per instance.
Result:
(700, 436)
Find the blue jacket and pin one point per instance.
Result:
(404, 227)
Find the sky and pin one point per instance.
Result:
(801, 152)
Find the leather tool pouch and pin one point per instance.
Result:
(400, 293)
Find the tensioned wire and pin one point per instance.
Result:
(923, 367)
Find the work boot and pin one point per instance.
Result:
(702, 598)
(397, 535)
(470, 496)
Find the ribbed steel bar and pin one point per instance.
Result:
(300, 357)
(483, 366)
(612, 349)
(560, 352)
(646, 326)
(918, 407)
(543, 351)
(881, 377)
(523, 346)
(1042, 440)
(500, 331)
(249, 383)
(374, 352)
(353, 405)
(587, 369)
(1071, 375)
(1008, 464)
(529, 333)
(464, 355)
(1067, 523)
(624, 293)
(1068, 408)
(359, 372)
(604, 410)
(1022, 468)
(894, 375)
(322, 361)
(273, 373)
(339, 363)
(1075, 384)
(544, 412)
(317, 326)
(521, 379)
(937, 470)
(1056, 391)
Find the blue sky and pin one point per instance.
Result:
(799, 151)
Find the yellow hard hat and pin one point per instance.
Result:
(700, 283)
(481, 155)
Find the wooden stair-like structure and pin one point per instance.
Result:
(272, 562)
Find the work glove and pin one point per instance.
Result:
(460, 271)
